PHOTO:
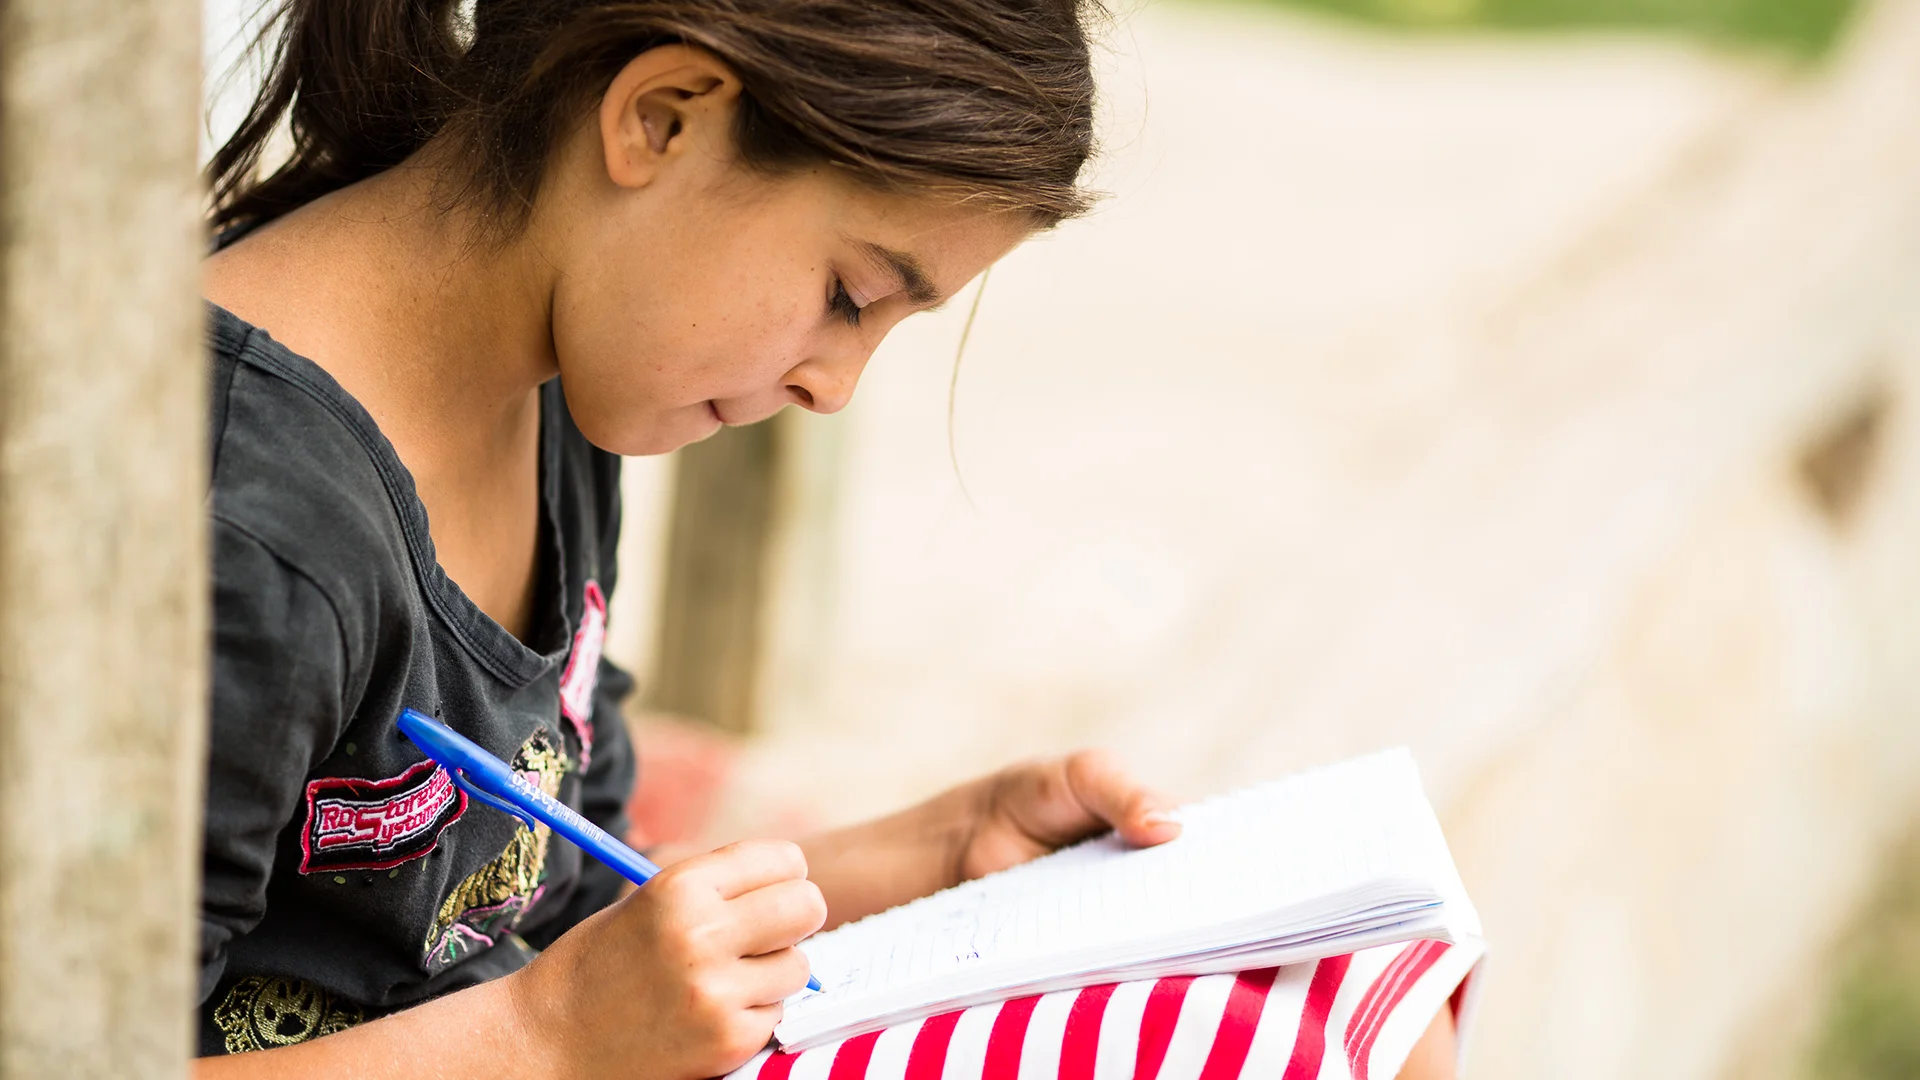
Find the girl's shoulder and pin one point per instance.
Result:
(297, 465)
(300, 469)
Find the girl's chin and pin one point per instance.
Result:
(657, 434)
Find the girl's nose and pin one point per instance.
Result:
(825, 385)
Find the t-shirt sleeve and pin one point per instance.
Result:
(279, 668)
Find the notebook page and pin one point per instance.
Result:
(1250, 866)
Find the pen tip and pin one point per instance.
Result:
(813, 984)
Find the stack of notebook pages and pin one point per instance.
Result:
(1322, 863)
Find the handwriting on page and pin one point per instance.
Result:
(1241, 864)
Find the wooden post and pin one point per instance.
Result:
(725, 499)
(102, 557)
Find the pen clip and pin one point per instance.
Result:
(495, 801)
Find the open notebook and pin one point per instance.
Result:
(1318, 864)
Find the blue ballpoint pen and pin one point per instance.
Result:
(490, 780)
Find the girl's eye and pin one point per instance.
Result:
(842, 305)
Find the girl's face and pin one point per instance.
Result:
(693, 293)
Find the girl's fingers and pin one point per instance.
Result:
(1104, 788)
(773, 977)
(738, 869)
(774, 917)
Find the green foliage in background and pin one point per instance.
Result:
(1872, 1027)
(1807, 26)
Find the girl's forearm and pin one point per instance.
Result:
(461, 1035)
(877, 864)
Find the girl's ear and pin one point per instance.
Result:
(664, 101)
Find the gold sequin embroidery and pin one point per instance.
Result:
(486, 906)
(265, 1011)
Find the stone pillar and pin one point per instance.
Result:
(102, 557)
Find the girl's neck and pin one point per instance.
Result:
(442, 339)
(445, 343)
(452, 333)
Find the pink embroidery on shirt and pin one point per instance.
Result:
(583, 669)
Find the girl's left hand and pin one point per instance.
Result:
(989, 824)
(1027, 810)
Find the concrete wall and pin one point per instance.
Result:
(102, 563)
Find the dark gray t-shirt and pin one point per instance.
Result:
(345, 876)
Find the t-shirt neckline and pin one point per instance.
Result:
(492, 645)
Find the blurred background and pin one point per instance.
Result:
(1531, 382)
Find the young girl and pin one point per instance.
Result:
(513, 240)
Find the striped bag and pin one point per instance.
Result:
(1354, 1016)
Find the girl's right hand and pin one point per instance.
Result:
(682, 979)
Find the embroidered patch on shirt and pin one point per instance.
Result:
(359, 824)
(262, 1012)
(484, 909)
(583, 669)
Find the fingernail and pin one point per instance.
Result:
(1157, 817)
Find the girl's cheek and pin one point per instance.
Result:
(779, 346)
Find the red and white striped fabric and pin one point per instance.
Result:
(1352, 1017)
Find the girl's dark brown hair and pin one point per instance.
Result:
(986, 100)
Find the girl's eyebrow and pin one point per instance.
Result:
(906, 269)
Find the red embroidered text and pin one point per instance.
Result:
(360, 824)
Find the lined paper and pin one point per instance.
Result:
(1317, 864)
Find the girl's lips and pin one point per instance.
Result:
(714, 408)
